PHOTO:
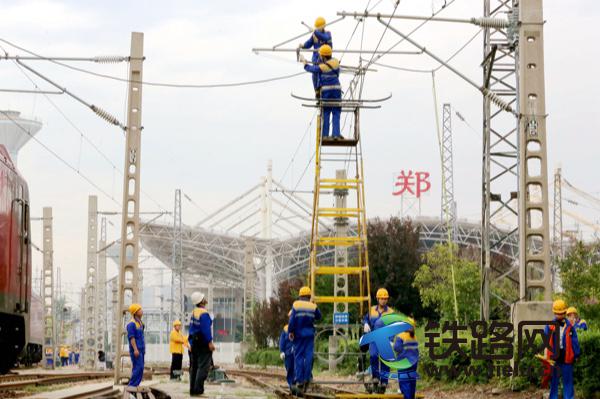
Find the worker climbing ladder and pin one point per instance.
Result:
(348, 242)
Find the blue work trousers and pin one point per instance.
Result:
(407, 381)
(289, 369)
(303, 358)
(379, 369)
(137, 371)
(566, 372)
(335, 94)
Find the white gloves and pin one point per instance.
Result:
(302, 59)
(282, 356)
(366, 328)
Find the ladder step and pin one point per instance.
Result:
(341, 299)
(339, 241)
(327, 142)
(339, 184)
(340, 212)
(339, 270)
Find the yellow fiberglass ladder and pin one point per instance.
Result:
(339, 223)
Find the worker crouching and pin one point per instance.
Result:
(137, 345)
(200, 339)
(301, 330)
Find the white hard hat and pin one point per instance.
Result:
(197, 297)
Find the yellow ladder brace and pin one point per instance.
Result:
(340, 212)
(339, 270)
(341, 241)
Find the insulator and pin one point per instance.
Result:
(497, 23)
(106, 116)
(500, 103)
(109, 59)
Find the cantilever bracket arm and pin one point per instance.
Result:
(482, 89)
(342, 101)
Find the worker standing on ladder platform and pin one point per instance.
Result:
(286, 354)
(137, 346)
(201, 341)
(330, 88)
(379, 371)
(407, 347)
(301, 330)
(318, 38)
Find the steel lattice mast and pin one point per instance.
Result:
(49, 346)
(177, 263)
(448, 202)
(558, 248)
(90, 311)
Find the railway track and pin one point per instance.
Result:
(275, 382)
(16, 382)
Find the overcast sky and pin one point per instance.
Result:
(215, 143)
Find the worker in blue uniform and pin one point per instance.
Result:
(286, 354)
(318, 38)
(568, 351)
(330, 87)
(301, 331)
(379, 371)
(573, 317)
(407, 347)
(137, 346)
(201, 341)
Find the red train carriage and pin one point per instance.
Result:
(15, 262)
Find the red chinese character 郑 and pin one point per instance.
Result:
(406, 182)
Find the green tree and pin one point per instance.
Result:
(580, 276)
(434, 282)
(394, 259)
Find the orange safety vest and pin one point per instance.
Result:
(569, 354)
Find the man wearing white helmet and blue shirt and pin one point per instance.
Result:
(200, 339)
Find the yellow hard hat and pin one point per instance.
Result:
(134, 307)
(572, 309)
(559, 307)
(176, 323)
(325, 50)
(304, 291)
(382, 294)
(320, 23)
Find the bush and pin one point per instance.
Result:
(587, 370)
(263, 357)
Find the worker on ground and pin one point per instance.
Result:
(137, 345)
(286, 353)
(201, 341)
(176, 343)
(64, 356)
(573, 317)
(318, 38)
(76, 356)
(330, 88)
(568, 351)
(407, 347)
(301, 331)
(379, 371)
